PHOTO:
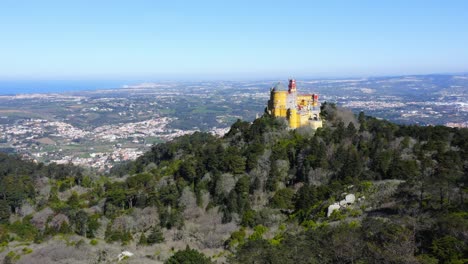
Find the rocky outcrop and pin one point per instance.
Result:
(347, 201)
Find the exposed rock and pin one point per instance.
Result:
(350, 198)
(125, 254)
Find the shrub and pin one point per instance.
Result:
(25, 230)
(365, 186)
(11, 257)
(188, 256)
(27, 250)
(337, 215)
(258, 232)
(237, 238)
(248, 219)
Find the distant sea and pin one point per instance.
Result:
(29, 87)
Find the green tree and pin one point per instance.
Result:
(92, 225)
(353, 165)
(155, 237)
(242, 191)
(382, 162)
(4, 212)
(350, 130)
(307, 199)
(143, 240)
(387, 242)
(234, 161)
(188, 256)
(448, 248)
(339, 133)
(362, 122)
(187, 170)
(81, 223)
(283, 199)
(74, 201)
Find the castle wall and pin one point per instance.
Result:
(304, 119)
(279, 103)
(315, 124)
(293, 118)
(299, 110)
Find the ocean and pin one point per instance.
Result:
(55, 86)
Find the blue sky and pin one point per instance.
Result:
(230, 39)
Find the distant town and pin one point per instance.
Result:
(100, 128)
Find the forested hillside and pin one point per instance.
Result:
(359, 190)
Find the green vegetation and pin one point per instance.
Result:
(188, 256)
(156, 236)
(273, 185)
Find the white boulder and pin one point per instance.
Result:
(350, 198)
(125, 254)
(343, 203)
(332, 208)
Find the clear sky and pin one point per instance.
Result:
(173, 39)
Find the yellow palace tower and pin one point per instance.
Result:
(299, 110)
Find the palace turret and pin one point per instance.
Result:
(299, 109)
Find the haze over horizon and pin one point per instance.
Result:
(144, 40)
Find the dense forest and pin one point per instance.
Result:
(358, 190)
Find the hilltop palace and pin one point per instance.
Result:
(299, 109)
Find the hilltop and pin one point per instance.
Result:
(100, 128)
(260, 194)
